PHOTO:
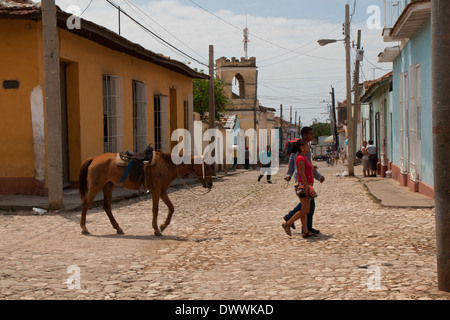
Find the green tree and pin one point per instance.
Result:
(321, 129)
(201, 97)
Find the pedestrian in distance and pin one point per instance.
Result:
(235, 157)
(336, 157)
(305, 190)
(247, 158)
(342, 155)
(308, 136)
(373, 158)
(365, 159)
(265, 163)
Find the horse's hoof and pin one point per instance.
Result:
(158, 234)
(85, 232)
(120, 231)
(162, 227)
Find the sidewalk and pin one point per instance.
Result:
(72, 201)
(391, 194)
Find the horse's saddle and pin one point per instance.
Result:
(135, 163)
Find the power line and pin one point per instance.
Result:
(155, 35)
(130, 4)
(305, 45)
(262, 39)
(86, 8)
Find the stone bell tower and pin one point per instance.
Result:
(243, 102)
(244, 72)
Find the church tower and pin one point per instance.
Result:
(243, 74)
(243, 100)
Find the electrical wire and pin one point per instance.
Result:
(305, 45)
(157, 37)
(130, 4)
(262, 39)
(86, 7)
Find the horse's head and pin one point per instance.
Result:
(203, 172)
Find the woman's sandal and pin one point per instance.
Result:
(287, 229)
(307, 234)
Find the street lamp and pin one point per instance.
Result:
(324, 42)
(351, 138)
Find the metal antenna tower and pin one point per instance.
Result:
(246, 41)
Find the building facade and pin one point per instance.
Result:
(115, 96)
(375, 118)
(410, 112)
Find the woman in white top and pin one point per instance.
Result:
(365, 159)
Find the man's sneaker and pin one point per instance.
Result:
(312, 230)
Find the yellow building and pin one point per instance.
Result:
(115, 95)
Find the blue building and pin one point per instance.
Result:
(409, 118)
(375, 116)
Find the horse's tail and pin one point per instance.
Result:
(82, 184)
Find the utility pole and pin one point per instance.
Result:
(119, 20)
(350, 155)
(356, 100)
(255, 102)
(290, 124)
(290, 117)
(295, 125)
(254, 111)
(281, 130)
(440, 69)
(53, 106)
(333, 114)
(212, 106)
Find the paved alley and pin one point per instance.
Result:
(228, 244)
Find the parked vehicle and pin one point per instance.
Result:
(319, 152)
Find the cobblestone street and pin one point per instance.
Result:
(228, 244)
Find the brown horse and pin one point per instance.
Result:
(102, 173)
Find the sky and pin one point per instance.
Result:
(293, 70)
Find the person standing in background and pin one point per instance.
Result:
(365, 159)
(265, 161)
(373, 158)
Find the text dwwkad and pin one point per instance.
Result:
(226, 309)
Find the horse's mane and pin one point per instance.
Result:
(165, 156)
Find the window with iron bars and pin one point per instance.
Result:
(112, 114)
(139, 116)
(161, 123)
